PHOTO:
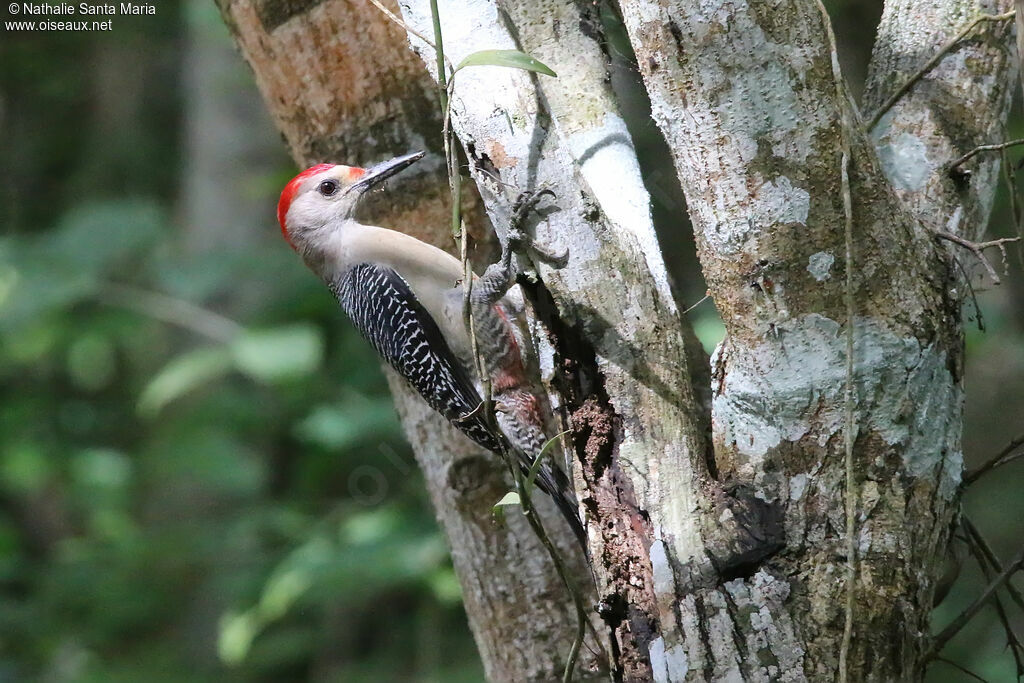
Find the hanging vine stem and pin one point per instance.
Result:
(458, 229)
(849, 424)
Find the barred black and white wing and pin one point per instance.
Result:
(387, 313)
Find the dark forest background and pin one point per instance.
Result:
(201, 474)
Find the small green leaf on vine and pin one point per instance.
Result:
(510, 58)
(510, 498)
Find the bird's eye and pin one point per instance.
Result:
(328, 188)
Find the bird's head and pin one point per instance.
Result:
(326, 195)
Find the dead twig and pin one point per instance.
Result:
(947, 633)
(702, 300)
(978, 249)
(1003, 457)
(1010, 177)
(979, 541)
(974, 295)
(930, 64)
(961, 668)
(988, 569)
(409, 29)
(954, 167)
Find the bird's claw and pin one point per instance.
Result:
(519, 242)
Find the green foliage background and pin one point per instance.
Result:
(201, 474)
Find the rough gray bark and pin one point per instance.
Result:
(960, 104)
(725, 558)
(333, 104)
(747, 97)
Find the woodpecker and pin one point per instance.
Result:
(406, 298)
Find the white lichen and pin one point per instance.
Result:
(793, 384)
(819, 265)
(664, 582)
(905, 161)
(797, 486)
(775, 202)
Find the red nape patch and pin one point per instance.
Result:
(288, 194)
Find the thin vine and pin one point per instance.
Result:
(849, 417)
(445, 82)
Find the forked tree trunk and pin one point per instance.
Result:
(718, 533)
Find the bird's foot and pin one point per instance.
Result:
(521, 243)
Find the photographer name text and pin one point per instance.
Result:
(86, 9)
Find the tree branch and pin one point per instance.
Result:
(990, 556)
(1002, 457)
(612, 353)
(978, 249)
(332, 103)
(960, 105)
(1011, 637)
(756, 115)
(954, 627)
(954, 167)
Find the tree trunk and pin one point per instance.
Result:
(719, 533)
(342, 86)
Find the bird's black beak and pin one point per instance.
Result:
(384, 170)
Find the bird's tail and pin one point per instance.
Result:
(522, 429)
(552, 481)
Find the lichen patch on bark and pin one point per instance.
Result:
(793, 386)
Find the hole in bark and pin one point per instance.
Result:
(481, 162)
(613, 609)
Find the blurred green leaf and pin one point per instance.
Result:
(183, 374)
(280, 353)
(101, 468)
(25, 468)
(369, 527)
(510, 498)
(113, 525)
(445, 586)
(342, 425)
(91, 361)
(235, 636)
(65, 265)
(92, 236)
(211, 459)
(32, 342)
(509, 58)
(283, 590)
